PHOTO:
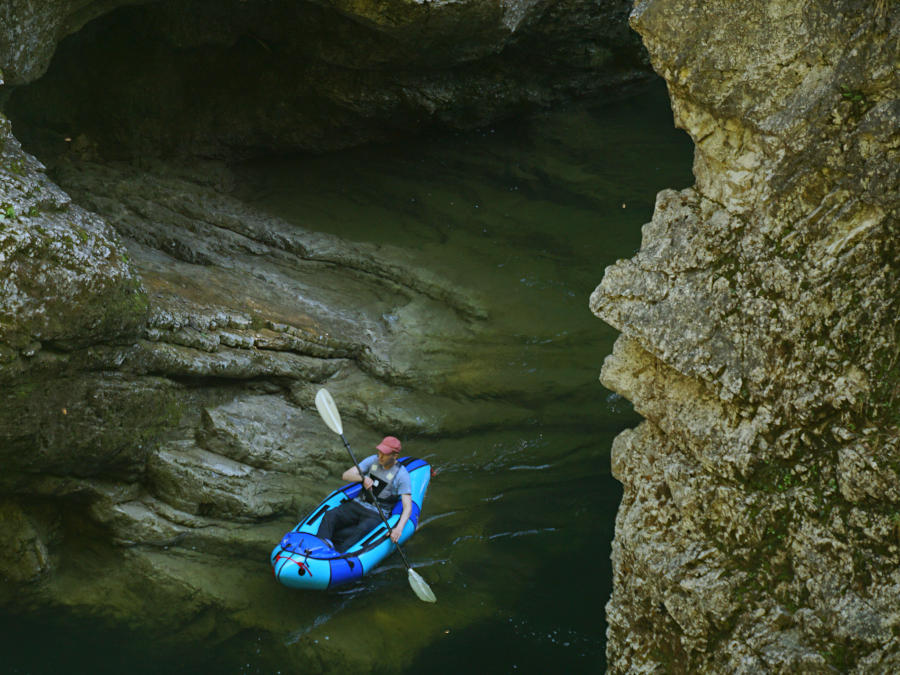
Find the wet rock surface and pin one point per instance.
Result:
(758, 532)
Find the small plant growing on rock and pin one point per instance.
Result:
(856, 97)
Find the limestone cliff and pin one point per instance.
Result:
(758, 531)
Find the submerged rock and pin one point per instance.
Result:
(757, 532)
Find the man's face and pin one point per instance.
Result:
(386, 459)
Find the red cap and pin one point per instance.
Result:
(389, 444)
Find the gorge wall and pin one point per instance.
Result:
(760, 522)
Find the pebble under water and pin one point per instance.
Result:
(516, 531)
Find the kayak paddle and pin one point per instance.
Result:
(330, 415)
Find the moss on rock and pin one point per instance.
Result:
(759, 325)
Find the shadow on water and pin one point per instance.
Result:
(556, 624)
(518, 522)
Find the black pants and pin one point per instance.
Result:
(345, 524)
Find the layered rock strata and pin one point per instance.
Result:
(758, 531)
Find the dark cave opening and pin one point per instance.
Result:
(232, 80)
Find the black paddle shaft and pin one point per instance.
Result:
(374, 500)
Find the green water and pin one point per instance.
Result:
(517, 527)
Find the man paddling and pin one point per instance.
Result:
(384, 481)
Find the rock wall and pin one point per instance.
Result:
(759, 526)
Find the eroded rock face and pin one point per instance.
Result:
(30, 31)
(213, 78)
(58, 259)
(758, 531)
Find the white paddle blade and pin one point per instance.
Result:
(420, 588)
(329, 412)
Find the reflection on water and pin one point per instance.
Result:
(518, 523)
